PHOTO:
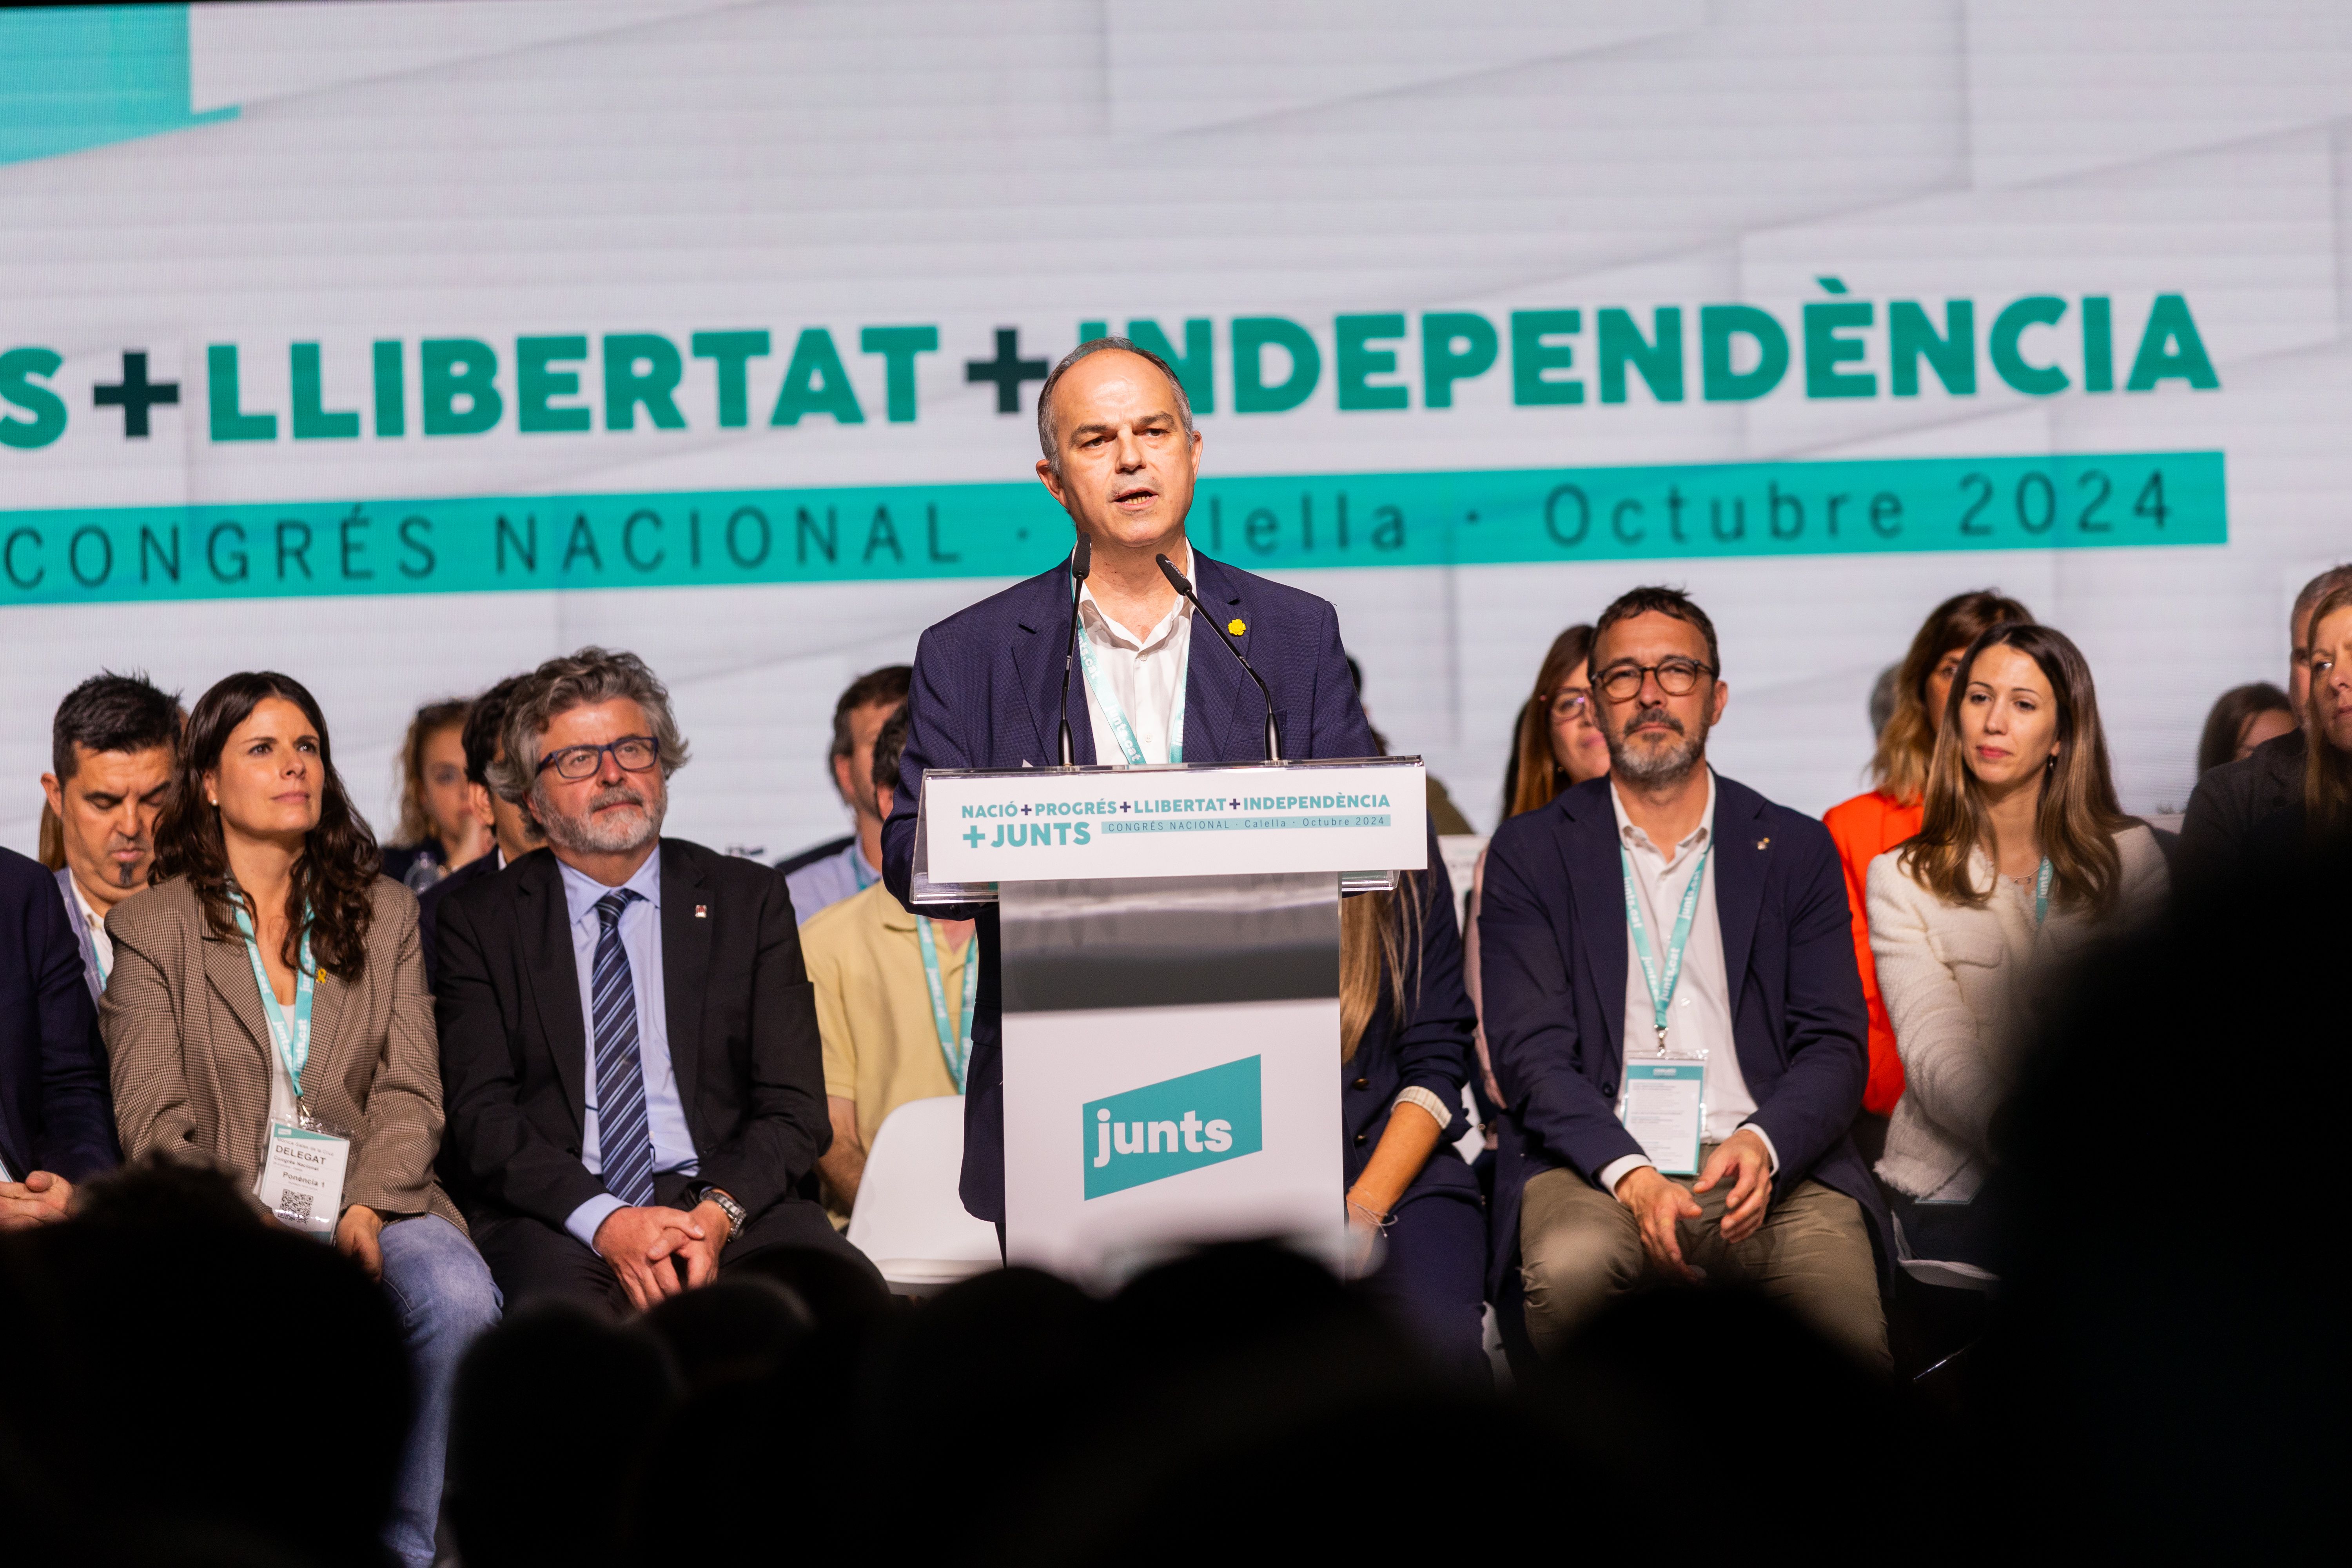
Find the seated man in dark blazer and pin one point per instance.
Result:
(2235, 798)
(1121, 456)
(1665, 914)
(629, 1047)
(57, 1113)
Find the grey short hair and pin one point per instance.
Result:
(1095, 346)
(579, 680)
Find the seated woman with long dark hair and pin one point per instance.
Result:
(267, 1014)
(1404, 1055)
(2022, 853)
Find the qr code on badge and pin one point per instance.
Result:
(292, 1204)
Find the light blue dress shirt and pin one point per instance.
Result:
(641, 939)
(829, 880)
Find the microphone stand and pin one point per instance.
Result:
(1082, 557)
(1178, 580)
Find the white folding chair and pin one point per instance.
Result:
(908, 1217)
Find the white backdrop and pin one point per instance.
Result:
(351, 174)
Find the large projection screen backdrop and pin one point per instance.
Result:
(401, 345)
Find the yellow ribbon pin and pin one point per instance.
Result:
(1238, 626)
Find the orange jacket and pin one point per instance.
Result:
(1866, 827)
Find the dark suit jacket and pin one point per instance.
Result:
(2229, 801)
(1425, 1044)
(55, 1111)
(1552, 966)
(987, 694)
(514, 1047)
(429, 902)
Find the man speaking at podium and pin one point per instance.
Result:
(1122, 456)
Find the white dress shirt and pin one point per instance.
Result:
(99, 942)
(1700, 1020)
(1144, 674)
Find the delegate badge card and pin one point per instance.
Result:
(302, 1176)
(1663, 1107)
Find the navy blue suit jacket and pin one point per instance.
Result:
(57, 1112)
(1552, 965)
(1427, 1046)
(987, 694)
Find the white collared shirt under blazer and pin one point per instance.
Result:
(1958, 981)
(1144, 675)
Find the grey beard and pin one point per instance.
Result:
(585, 836)
(1670, 765)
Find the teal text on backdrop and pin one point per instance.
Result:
(880, 533)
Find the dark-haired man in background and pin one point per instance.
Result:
(834, 872)
(1665, 915)
(110, 766)
(513, 834)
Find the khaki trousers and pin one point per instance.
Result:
(1579, 1246)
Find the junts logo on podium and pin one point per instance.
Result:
(1165, 1129)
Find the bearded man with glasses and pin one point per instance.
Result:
(1675, 1017)
(629, 1048)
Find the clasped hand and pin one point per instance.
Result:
(1659, 1205)
(39, 1199)
(646, 1246)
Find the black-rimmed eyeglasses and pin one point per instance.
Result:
(1676, 678)
(636, 753)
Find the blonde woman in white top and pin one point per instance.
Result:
(2023, 854)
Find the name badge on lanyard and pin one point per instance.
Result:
(1663, 1100)
(1130, 749)
(303, 1162)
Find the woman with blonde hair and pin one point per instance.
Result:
(439, 830)
(1871, 824)
(1405, 1038)
(2023, 854)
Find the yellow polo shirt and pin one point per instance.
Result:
(874, 1007)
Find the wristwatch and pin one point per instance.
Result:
(736, 1218)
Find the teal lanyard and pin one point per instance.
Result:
(290, 1028)
(955, 1047)
(858, 870)
(1120, 729)
(1661, 990)
(2041, 893)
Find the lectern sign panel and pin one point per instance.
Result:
(1165, 1129)
(1067, 824)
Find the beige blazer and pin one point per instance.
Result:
(190, 1050)
(1956, 979)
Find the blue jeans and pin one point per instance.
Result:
(442, 1290)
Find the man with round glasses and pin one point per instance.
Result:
(629, 1050)
(1675, 1017)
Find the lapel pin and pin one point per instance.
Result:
(702, 911)
(1238, 626)
(1761, 843)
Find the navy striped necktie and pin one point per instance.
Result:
(624, 1136)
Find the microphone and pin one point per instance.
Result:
(1082, 558)
(1176, 581)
